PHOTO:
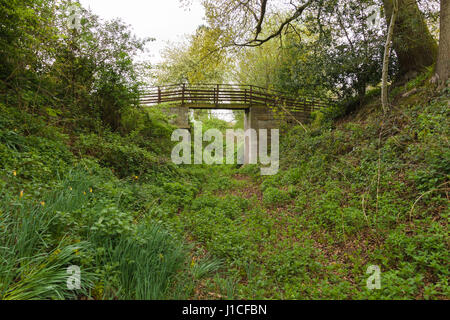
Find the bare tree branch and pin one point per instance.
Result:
(261, 18)
(257, 42)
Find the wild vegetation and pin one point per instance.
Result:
(86, 178)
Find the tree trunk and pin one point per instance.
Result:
(413, 43)
(443, 62)
(387, 53)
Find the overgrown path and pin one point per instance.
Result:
(267, 247)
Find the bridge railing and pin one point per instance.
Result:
(223, 94)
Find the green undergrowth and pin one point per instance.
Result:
(99, 201)
(357, 191)
(365, 190)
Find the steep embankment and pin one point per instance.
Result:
(93, 200)
(365, 190)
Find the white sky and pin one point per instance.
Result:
(164, 20)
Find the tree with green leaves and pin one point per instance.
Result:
(198, 60)
(26, 28)
(340, 57)
(86, 73)
(242, 24)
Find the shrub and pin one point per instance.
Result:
(115, 152)
(275, 197)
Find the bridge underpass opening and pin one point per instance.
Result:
(234, 118)
(222, 120)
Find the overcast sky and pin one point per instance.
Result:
(164, 20)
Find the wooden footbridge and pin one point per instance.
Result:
(264, 109)
(230, 96)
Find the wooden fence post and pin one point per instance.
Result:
(159, 94)
(217, 95)
(182, 94)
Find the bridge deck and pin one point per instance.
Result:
(211, 105)
(228, 96)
